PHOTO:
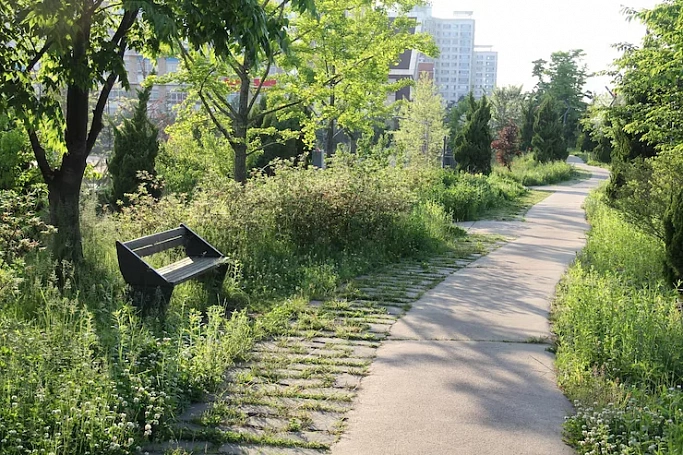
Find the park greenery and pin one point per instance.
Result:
(618, 313)
(81, 370)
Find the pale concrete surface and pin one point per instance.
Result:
(456, 376)
(429, 397)
(509, 229)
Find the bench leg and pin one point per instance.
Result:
(150, 300)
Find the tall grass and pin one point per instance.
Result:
(620, 342)
(530, 172)
(468, 197)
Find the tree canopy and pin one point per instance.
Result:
(341, 63)
(507, 104)
(421, 132)
(563, 78)
(77, 48)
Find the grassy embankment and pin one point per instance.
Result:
(620, 342)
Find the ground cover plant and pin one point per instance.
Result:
(619, 342)
(529, 172)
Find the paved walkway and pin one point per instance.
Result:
(466, 371)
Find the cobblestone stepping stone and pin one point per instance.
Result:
(292, 394)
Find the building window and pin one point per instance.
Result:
(171, 65)
(174, 97)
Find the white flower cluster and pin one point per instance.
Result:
(630, 428)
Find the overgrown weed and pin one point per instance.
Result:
(620, 342)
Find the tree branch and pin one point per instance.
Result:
(270, 111)
(215, 121)
(41, 158)
(119, 39)
(231, 113)
(260, 85)
(36, 58)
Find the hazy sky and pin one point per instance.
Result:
(525, 30)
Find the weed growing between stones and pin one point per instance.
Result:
(294, 390)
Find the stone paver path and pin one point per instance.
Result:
(466, 370)
(293, 394)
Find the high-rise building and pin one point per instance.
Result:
(462, 67)
(485, 72)
(163, 96)
(453, 68)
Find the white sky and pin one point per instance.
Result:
(525, 30)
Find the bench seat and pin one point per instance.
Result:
(186, 268)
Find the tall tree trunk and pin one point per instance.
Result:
(240, 150)
(241, 127)
(329, 140)
(64, 189)
(64, 198)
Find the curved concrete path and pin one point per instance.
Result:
(466, 371)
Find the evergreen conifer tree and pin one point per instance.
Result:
(673, 237)
(548, 141)
(526, 133)
(135, 149)
(472, 148)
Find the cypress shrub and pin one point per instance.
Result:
(473, 144)
(673, 237)
(135, 150)
(548, 141)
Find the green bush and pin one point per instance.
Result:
(529, 172)
(613, 245)
(469, 196)
(276, 226)
(643, 189)
(16, 156)
(190, 156)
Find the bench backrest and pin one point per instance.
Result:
(194, 245)
(156, 243)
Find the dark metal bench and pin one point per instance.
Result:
(149, 283)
